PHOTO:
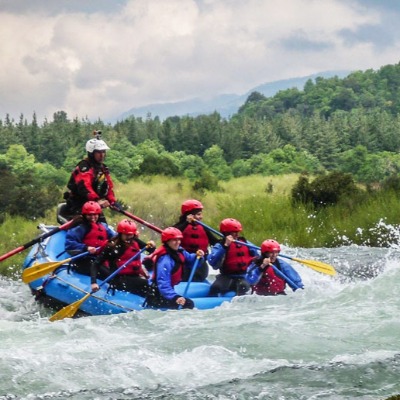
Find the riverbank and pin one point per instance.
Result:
(262, 204)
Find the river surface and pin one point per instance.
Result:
(337, 339)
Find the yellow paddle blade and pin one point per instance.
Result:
(41, 269)
(68, 311)
(317, 266)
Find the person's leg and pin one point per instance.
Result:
(82, 265)
(133, 284)
(240, 286)
(222, 284)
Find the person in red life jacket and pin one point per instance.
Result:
(169, 261)
(262, 276)
(232, 259)
(194, 237)
(133, 277)
(87, 236)
(90, 180)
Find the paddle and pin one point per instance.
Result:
(315, 265)
(70, 310)
(38, 270)
(196, 263)
(40, 238)
(137, 219)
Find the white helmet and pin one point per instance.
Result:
(96, 143)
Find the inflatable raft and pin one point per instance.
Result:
(64, 286)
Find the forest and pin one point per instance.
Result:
(349, 126)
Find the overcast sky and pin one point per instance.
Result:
(99, 58)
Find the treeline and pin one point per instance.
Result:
(349, 125)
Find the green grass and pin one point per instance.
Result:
(15, 232)
(261, 204)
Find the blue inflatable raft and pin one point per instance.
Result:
(65, 286)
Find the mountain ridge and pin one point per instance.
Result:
(225, 104)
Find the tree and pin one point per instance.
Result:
(214, 159)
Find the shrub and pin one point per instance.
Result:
(325, 190)
(207, 181)
(392, 183)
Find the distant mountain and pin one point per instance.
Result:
(226, 104)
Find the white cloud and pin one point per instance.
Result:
(100, 64)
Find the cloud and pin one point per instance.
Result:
(99, 58)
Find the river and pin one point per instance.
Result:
(337, 339)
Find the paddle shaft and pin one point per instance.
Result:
(277, 271)
(196, 263)
(37, 240)
(116, 272)
(137, 219)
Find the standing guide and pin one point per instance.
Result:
(90, 181)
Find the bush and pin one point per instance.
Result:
(207, 181)
(23, 195)
(325, 190)
(392, 183)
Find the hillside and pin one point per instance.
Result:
(226, 104)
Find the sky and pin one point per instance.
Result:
(99, 58)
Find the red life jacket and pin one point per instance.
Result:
(92, 182)
(177, 271)
(135, 266)
(194, 238)
(237, 258)
(96, 236)
(269, 284)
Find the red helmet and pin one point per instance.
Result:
(190, 205)
(127, 226)
(230, 225)
(269, 246)
(171, 233)
(91, 207)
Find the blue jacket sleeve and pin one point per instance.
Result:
(217, 255)
(73, 240)
(189, 258)
(292, 274)
(110, 232)
(164, 267)
(254, 250)
(253, 274)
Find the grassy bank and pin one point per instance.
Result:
(261, 204)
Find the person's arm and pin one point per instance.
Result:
(190, 258)
(74, 241)
(253, 274)
(84, 181)
(217, 255)
(110, 232)
(292, 274)
(110, 194)
(212, 240)
(164, 267)
(256, 269)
